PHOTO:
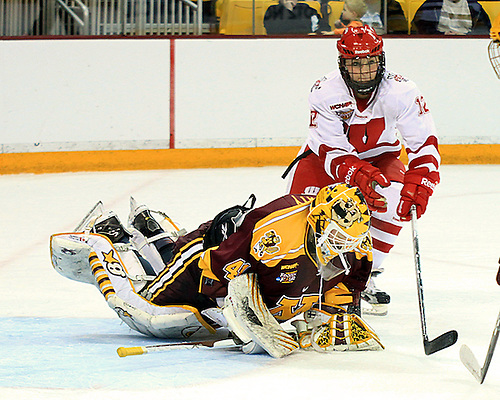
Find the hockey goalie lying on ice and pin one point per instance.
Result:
(301, 258)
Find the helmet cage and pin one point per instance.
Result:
(362, 87)
(334, 241)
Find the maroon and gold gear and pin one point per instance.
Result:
(340, 220)
(334, 329)
(277, 243)
(250, 320)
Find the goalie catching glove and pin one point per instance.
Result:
(335, 330)
(250, 320)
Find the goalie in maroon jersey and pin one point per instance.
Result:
(356, 115)
(300, 257)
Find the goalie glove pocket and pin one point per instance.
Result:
(341, 332)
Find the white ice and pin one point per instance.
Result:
(58, 338)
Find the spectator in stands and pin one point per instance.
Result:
(396, 20)
(372, 15)
(353, 11)
(451, 17)
(292, 17)
(455, 18)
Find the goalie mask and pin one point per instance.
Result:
(361, 45)
(339, 220)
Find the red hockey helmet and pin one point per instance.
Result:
(361, 42)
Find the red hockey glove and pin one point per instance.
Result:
(418, 187)
(365, 176)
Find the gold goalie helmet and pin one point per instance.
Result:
(494, 46)
(340, 219)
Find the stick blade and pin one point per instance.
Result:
(441, 342)
(469, 360)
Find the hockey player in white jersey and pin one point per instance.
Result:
(357, 112)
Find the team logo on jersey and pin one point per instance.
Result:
(267, 244)
(344, 115)
(113, 265)
(396, 77)
(288, 273)
(337, 106)
(317, 84)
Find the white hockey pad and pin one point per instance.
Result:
(161, 321)
(92, 258)
(251, 321)
(70, 257)
(341, 331)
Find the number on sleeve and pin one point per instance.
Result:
(422, 105)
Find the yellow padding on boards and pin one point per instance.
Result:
(122, 160)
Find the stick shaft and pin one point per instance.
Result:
(133, 351)
(418, 272)
(491, 349)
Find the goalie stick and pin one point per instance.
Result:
(468, 358)
(447, 339)
(216, 343)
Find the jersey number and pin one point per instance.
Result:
(235, 268)
(289, 307)
(422, 105)
(312, 119)
(365, 137)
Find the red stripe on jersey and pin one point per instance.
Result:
(431, 141)
(381, 246)
(385, 226)
(427, 159)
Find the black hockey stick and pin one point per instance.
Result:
(446, 339)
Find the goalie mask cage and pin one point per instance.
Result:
(494, 55)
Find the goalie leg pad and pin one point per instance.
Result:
(250, 319)
(105, 268)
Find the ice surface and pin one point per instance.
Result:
(58, 338)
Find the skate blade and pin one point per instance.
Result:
(373, 309)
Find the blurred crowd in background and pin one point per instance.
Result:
(244, 17)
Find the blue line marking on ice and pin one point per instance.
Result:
(81, 353)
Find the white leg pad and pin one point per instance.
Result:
(250, 319)
(92, 258)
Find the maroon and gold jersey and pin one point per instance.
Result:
(273, 243)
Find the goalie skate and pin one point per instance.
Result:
(373, 300)
(141, 218)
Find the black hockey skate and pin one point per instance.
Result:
(375, 300)
(110, 226)
(141, 219)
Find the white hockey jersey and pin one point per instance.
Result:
(339, 126)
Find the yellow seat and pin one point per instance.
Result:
(492, 8)
(236, 16)
(335, 8)
(410, 7)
